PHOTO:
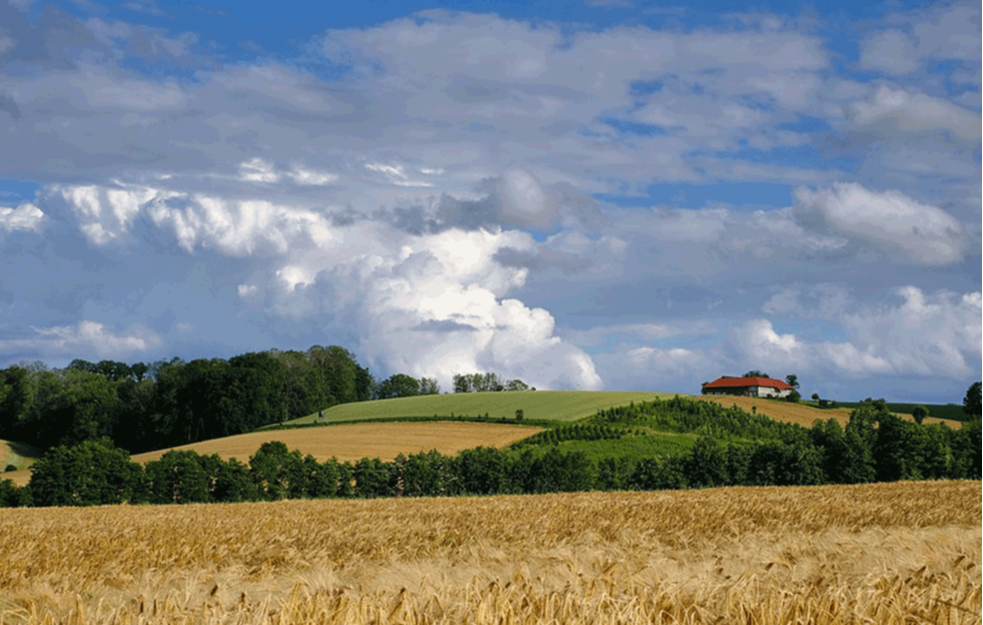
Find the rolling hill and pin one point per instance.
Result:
(546, 405)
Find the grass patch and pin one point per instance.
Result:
(18, 455)
(536, 405)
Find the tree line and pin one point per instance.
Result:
(733, 448)
(142, 407)
(487, 383)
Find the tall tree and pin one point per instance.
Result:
(971, 403)
(399, 385)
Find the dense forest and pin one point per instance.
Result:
(142, 407)
(732, 448)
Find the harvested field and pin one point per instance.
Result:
(801, 414)
(881, 553)
(363, 440)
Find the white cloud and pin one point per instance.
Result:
(246, 290)
(27, 217)
(674, 369)
(922, 233)
(235, 227)
(85, 337)
(257, 170)
(891, 52)
(929, 335)
(104, 214)
(312, 178)
(761, 343)
(889, 111)
(523, 201)
(435, 306)
(396, 175)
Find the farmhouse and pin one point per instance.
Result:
(748, 387)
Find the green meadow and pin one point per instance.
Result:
(536, 405)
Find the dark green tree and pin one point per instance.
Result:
(706, 464)
(429, 386)
(399, 385)
(919, 413)
(371, 478)
(972, 401)
(90, 473)
(178, 477)
(481, 471)
(278, 472)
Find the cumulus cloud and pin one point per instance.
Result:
(891, 220)
(83, 337)
(438, 305)
(936, 335)
(235, 227)
(27, 217)
(931, 335)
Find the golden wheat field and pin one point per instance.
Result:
(882, 553)
(799, 413)
(364, 440)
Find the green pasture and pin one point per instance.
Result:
(544, 405)
(18, 454)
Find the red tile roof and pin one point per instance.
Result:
(727, 382)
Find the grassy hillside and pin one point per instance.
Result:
(17, 454)
(546, 405)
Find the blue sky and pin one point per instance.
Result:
(605, 194)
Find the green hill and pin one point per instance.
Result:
(17, 454)
(546, 405)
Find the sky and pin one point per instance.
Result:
(606, 194)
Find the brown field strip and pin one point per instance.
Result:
(880, 553)
(363, 440)
(799, 413)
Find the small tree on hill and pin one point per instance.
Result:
(919, 413)
(792, 380)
